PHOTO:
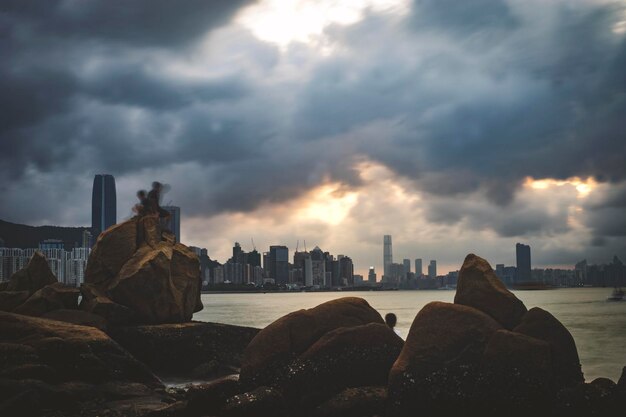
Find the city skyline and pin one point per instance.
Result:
(454, 126)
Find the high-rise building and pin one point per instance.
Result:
(318, 267)
(432, 269)
(418, 268)
(103, 204)
(279, 264)
(407, 265)
(346, 271)
(522, 254)
(51, 244)
(371, 276)
(387, 255)
(173, 223)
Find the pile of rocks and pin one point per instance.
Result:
(137, 273)
(484, 354)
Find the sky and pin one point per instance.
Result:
(454, 126)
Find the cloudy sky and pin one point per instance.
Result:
(454, 126)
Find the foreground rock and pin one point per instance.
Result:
(52, 367)
(268, 356)
(542, 325)
(197, 350)
(51, 297)
(136, 265)
(34, 290)
(342, 358)
(439, 366)
(479, 287)
(355, 402)
(33, 277)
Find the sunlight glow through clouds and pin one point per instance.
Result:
(286, 21)
(583, 186)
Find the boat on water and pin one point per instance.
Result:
(617, 295)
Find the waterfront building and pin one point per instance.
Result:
(387, 255)
(173, 222)
(371, 276)
(103, 204)
(407, 266)
(418, 267)
(522, 255)
(432, 269)
(279, 264)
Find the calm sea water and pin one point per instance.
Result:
(598, 326)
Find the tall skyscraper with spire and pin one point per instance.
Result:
(387, 255)
(103, 204)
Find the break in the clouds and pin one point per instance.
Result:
(455, 126)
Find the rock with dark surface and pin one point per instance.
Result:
(597, 398)
(80, 317)
(517, 377)
(179, 349)
(440, 362)
(343, 358)
(113, 248)
(479, 287)
(9, 300)
(269, 354)
(35, 276)
(542, 325)
(51, 297)
(621, 384)
(262, 401)
(62, 367)
(209, 398)
(135, 265)
(354, 402)
(94, 301)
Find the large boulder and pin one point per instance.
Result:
(177, 350)
(440, 362)
(56, 366)
(343, 358)
(9, 300)
(51, 297)
(517, 376)
(80, 317)
(268, 356)
(34, 276)
(542, 325)
(94, 301)
(135, 265)
(479, 287)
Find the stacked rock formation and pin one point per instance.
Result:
(138, 274)
(485, 353)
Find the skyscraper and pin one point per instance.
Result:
(407, 265)
(387, 255)
(522, 254)
(418, 267)
(279, 264)
(432, 269)
(173, 223)
(103, 204)
(371, 276)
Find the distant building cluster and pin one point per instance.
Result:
(400, 275)
(315, 269)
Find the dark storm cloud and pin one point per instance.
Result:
(141, 22)
(462, 99)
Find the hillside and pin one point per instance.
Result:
(24, 236)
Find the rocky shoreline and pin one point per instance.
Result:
(485, 354)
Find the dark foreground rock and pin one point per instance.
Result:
(82, 318)
(262, 401)
(542, 325)
(34, 276)
(136, 265)
(268, 356)
(187, 349)
(479, 287)
(52, 367)
(439, 366)
(345, 357)
(355, 402)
